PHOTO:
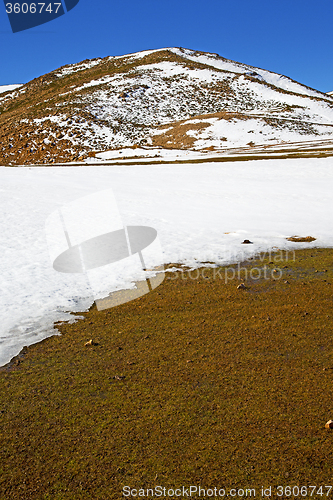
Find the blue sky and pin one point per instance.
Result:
(290, 37)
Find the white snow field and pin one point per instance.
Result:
(202, 212)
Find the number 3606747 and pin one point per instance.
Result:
(32, 8)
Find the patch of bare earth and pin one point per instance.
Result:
(177, 136)
(301, 239)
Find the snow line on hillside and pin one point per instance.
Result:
(276, 79)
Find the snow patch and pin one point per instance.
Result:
(6, 88)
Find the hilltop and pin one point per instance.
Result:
(167, 98)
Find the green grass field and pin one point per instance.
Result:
(196, 383)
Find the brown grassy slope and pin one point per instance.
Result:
(42, 98)
(176, 134)
(222, 387)
(22, 143)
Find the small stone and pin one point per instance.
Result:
(287, 282)
(268, 318)
(329, 424)
(119, 377)
(241, 287)
(89, 343)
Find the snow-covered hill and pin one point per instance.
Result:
(166, 98)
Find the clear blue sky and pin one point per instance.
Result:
(291, 37)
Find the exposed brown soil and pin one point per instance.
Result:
(195, 383)
(301, 239)
(177, 137)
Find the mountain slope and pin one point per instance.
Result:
(171, 98)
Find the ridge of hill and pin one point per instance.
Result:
(170, 98)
